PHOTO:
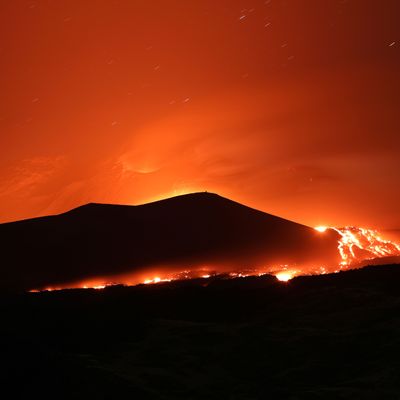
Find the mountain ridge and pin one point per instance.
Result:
(184, 231)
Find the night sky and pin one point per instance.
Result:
(291, 107)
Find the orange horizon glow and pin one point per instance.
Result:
(288, 107)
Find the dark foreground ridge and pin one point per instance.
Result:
(318, 337)
(184, 231)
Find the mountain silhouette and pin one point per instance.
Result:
(186, 231)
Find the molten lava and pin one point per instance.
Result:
(359, 244)
(157, 279)
(284, 276)
(354, 246)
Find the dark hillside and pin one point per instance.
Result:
(184, 231)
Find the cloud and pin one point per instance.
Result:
(296, 148)
(29, 176)
(27, 185)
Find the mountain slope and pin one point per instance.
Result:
(185, 231)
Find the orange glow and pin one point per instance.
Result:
(284, 276)
(131, 101)
(321, 228)
(156, 280)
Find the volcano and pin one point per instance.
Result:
(188, 231)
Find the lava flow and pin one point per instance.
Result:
(360, 244)
(355, 245)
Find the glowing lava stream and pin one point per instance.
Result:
(366, 242)
(354, 245)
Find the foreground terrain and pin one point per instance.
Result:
(323, 337)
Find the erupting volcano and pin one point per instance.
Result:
(124, 275)
(190, 236)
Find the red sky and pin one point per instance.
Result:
(289, 106)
